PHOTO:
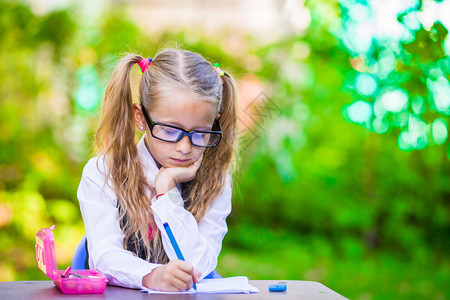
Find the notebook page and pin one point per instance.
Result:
(230, 285)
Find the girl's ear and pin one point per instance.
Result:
(138, 116)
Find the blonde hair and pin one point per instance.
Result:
(171, 69)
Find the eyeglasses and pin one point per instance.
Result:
(172, 134)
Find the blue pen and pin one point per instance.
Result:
(175, 246)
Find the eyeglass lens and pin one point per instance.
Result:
(170, 134)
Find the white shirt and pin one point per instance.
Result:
(200, 243)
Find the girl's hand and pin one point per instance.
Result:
(174, 276)
(168, 178)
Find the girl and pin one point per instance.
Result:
(177, 173)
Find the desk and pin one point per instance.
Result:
(47, 290)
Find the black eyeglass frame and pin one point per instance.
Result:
(152, 123)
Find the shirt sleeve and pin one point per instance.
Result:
(103, 232)
(199, 243)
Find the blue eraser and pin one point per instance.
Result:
(281, 287)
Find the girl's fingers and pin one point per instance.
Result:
(179, 285)
(188, 173)
(180, 174)
(197, 275)
(184, 280)
(195, 166)
(183, 265)
(185, 272)
(199, 161)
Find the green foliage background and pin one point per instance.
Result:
(315, 197)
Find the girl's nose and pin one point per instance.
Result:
(184, 145)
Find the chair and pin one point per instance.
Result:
(79, 259)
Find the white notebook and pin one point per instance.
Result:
(230, 285)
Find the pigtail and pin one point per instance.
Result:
(117, 112)
(228, 116)
(115, 141)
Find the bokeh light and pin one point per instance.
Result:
(440, 131)
(439, 86)
(394, 100)
(88, 93)
(381, 125)
(366, 84)
(359, 112)
(405, 82)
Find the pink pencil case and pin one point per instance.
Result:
(68, 281)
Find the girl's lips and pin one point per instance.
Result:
(180, 161)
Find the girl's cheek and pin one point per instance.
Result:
(199, 154)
